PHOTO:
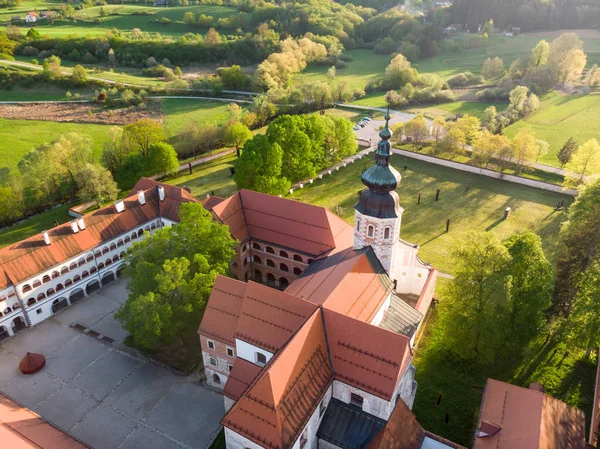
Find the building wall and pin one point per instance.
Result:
(219, 354)
(234, 440)
(371, 404)
(384, 248)
(379, 315)
(327, 445)
(228, 402)
(248, 351)
(310, 430)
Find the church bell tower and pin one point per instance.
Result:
(378, 212)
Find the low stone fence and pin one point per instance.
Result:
(486, 172)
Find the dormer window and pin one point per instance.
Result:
(356, 399)
(370, 231)
(261, 359)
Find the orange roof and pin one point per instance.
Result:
(528, 419)
(29, 257)
(240, 377)
(286, 223)
(223, 309)
(20, 428)
(269, 317)
(211, 201)
(402, 431)
(276, 407)
(366, 356)
(351, 282)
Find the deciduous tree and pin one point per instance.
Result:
(237, 135)
(525, 149)
(162, 159)
(417, 130)
(95, 183)
(585, 162)
(142, 134)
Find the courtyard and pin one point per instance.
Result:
(103, 394)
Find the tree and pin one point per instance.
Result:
(469, 126)
(142, 134)
(488, 28)
(331, 73)
(234, 78)
(492, 68)
(33, 34)
(585, 161)
(96, 184)
(399, 72)
(565, 153)
(51, 67)
(417, 130)
(79, 75)
(529, 286)
(198, 138)
(489, 120)
(486, 147)
(572, 66)
(525, 149)
(259, 167)
(579, 247)
(539, 55)
(114, 152)
(212, 37)
(298, 155)
(162, 159)
(437, 128)
(171, 275)
(543, 147)
(565, 57)
(188, 18)
(237, 135)
(504, 157)
(11, 205)
(475, 307)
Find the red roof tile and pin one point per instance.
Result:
(240, 378)
(277, 406)
(20, 428)
(269, 317)
(223, 309)
(29, 257)
(287, 223)
(366, 356)
(211, 201)
(528, 419)
(402, 431)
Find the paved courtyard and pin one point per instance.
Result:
(105, 395)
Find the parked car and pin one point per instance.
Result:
(366, 119)
(362, 124)
(356, 128)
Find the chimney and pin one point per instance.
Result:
(120, 206)
(46, 237)
(81, 223)
(161, 193)
(141, 197)
(74, 226)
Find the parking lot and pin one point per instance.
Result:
(103, 394)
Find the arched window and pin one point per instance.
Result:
(127, 239)
(50, 292)
(108, 262)
(73, 266)
(256, 246)
(97, 253)
(77, 278)
(270, 250)
(297, 258)
(283, 267)
(41, 296)
(89, 258)
(370, 231)
(133, 236)
(140, 233)
(94, 269)
(105, 250)
(284, 254)
(257, 259)
(26, 288)
(234, 265)
(113, 247)
(120, 242)
(30, 301)
(55, 274)
(115, 258)
(216, 379)
(309, 261)
(386, 233)
(245, 247)
(153, 226)
(68, 283)
(297, 271)
(84, 274)
(147, 228)
(283, 282)
(64, 270)
(59, 287)
(81, 262)
(100, 266)
(46, 279)
(122, 254)
(7, 310)
(36, 283)
(245, 261)
(270, 263)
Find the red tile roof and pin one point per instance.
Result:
(346, 282)
(402, 431)
(269, 317)
(276, 407)
(366, 356)
(309, 229)
(528, 419)
(211, 201)
(223, 309)
(240, 378)
(20, 428)
(29, 257)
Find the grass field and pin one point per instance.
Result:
(20, 136)
(563, 371)
(561, 117)
(124, 18)
(448, 110)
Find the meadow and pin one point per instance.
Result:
(124, 18)
(559, 118)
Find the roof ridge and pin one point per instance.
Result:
(291, 219)
(243, 212)
(277, 307)
(329, 247)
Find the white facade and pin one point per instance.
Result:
(382, 234)
(250, 352)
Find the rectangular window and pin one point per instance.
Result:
(261, 359)
(230, 352)
(213, 361)
(230, 367)
(356, 400)
(322, 408)
(39, 310)
(211, 344)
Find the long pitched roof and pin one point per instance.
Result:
(27, 258)
(299, 226)
(528, 419)
(240, 378)
(351, 282)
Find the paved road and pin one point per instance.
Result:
(105, 395)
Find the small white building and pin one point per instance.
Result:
(31, 17)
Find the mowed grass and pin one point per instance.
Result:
(447, 110)
(20, 136)
(561, 117)
(458, 385)
(123, 18)
(364, 65)
(480, 209)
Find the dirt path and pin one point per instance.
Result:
(75, 112)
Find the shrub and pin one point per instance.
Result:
(465, 79)
(151, 62)
(165, 21)
(177, 84)
(30, 51)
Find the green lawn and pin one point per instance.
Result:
(20, 136)
(561, 117)
(480, 209)
(458, 385)
(448, 110)
(124, 18)
(364, 65)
